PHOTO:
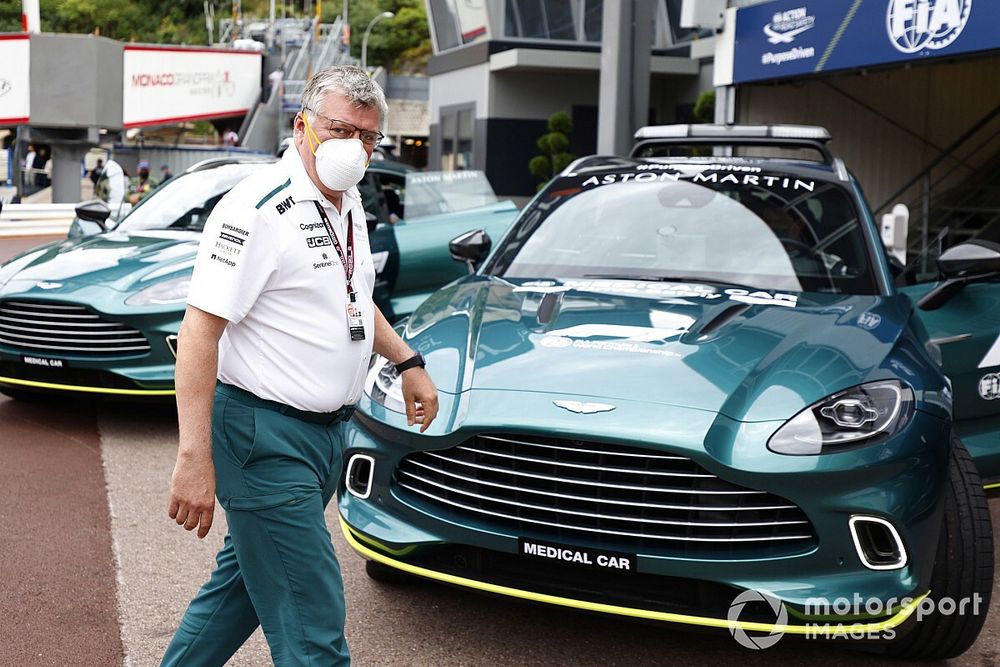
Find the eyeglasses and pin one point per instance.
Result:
(338, 129)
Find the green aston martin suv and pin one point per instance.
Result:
(689, 389)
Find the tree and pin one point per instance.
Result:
(400, 44)
(553, 146)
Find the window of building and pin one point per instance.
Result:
(457, 144)
(459, 22)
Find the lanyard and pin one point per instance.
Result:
(346, 260)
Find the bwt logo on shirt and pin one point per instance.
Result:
(284, 206)
(318, 241)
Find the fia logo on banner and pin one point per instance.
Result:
(916, 25)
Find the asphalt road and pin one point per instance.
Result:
(93, 573)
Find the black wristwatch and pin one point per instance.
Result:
(412, 362)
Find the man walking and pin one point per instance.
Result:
(273, 352)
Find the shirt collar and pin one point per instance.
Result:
(303, 189)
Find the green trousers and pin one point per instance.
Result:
(276, 468)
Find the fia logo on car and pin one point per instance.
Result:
(584, 408)
(915, 25)
(989, 386)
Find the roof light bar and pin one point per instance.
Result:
(812, 132)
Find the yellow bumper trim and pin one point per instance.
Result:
(995, 485)
(352, 536)
(92, 390)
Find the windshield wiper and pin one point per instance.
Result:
(668, 279)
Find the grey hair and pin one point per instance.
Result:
(350, 81)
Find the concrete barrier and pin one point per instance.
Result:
(36, 219)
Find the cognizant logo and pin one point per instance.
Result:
(916, 25)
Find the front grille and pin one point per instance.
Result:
(53, 329)
(615, 496)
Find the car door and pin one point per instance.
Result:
(966, 329)
(382, 241)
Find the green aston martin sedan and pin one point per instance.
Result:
(98, 313)
(689, 389)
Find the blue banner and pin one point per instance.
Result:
(788, 38)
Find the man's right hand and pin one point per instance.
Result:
(192, 492)
(192, 486)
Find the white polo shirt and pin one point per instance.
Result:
(266, 263)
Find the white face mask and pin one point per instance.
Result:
(340, 163)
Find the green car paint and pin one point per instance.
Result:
(697, 366)
(99, 278)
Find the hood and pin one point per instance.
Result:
(750, 355)
(120, 260)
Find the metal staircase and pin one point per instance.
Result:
(271, 121)
(958, 197)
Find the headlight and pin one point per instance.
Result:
(384, 385)
(864, 415)
(169, 291)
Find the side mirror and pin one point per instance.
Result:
(471, 248)
(965, 263)
(371, 220)
(91, 219)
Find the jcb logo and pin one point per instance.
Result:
(318, 241)
(284, 206)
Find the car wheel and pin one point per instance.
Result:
(963, 568)
(387, 575)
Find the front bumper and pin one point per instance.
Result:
(900, 481)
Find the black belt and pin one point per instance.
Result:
(325, 418)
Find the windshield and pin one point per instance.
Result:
(437, 192)
(716, 223)
(185, 201)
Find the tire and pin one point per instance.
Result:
(387, 575)
(963, 568)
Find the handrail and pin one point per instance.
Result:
(945, 154)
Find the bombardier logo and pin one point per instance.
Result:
(916, 25)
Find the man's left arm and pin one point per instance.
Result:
(419, 391)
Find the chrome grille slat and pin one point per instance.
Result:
(617, 496)
(630, 503)
(607, 517)
(105, 332)
(75, 329)
(665, 457)
(584, 466)
(61, 324)
(552, 478)
(67, 339)
(53, 306)
(603, 531)
(77, 316)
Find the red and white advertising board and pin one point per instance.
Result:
(169, 84)
(14, 95)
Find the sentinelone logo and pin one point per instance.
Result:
(915, 25)
(844, 608)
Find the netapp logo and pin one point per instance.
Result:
(318, 241)
(223, 260)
